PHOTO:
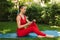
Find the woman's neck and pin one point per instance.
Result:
(21, 13)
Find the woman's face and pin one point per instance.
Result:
(23, 9)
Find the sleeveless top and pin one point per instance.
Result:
(22, 21)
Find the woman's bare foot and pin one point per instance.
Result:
(49, 36)
(40, 36)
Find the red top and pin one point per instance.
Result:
(22, 21)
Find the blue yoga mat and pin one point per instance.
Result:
(32, 35)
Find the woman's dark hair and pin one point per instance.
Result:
(21, 6)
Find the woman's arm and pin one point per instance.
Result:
(18, 23)
(27, 19)
(30, 21)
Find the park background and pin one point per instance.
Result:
(46, 13)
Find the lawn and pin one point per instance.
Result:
(11, 26)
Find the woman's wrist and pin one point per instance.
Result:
(27, 24)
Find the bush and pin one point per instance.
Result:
(45, 15)
(34, 12)
(5, 6)
(12, 15)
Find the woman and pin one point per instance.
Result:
(25, 26)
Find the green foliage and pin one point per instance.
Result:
(5, 6)
(45, 15)
(12, 15)
(55, 10)
(34, 12)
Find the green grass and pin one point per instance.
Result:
(58, 38)
(47, 27)
(8, 25)
(12, 27)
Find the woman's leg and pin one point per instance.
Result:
(31, 28)
(36, 29)
(39, 33)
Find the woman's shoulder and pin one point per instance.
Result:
(18, 17)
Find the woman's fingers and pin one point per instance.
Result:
(34, 20)
(29, 23)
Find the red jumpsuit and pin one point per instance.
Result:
(31, 28)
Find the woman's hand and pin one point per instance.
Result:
(34, 20)
(29, 23)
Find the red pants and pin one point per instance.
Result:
(31, 28)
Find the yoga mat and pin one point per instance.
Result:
(32, 35)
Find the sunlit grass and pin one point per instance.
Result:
(5, 31)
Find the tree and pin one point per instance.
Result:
(5, 6)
